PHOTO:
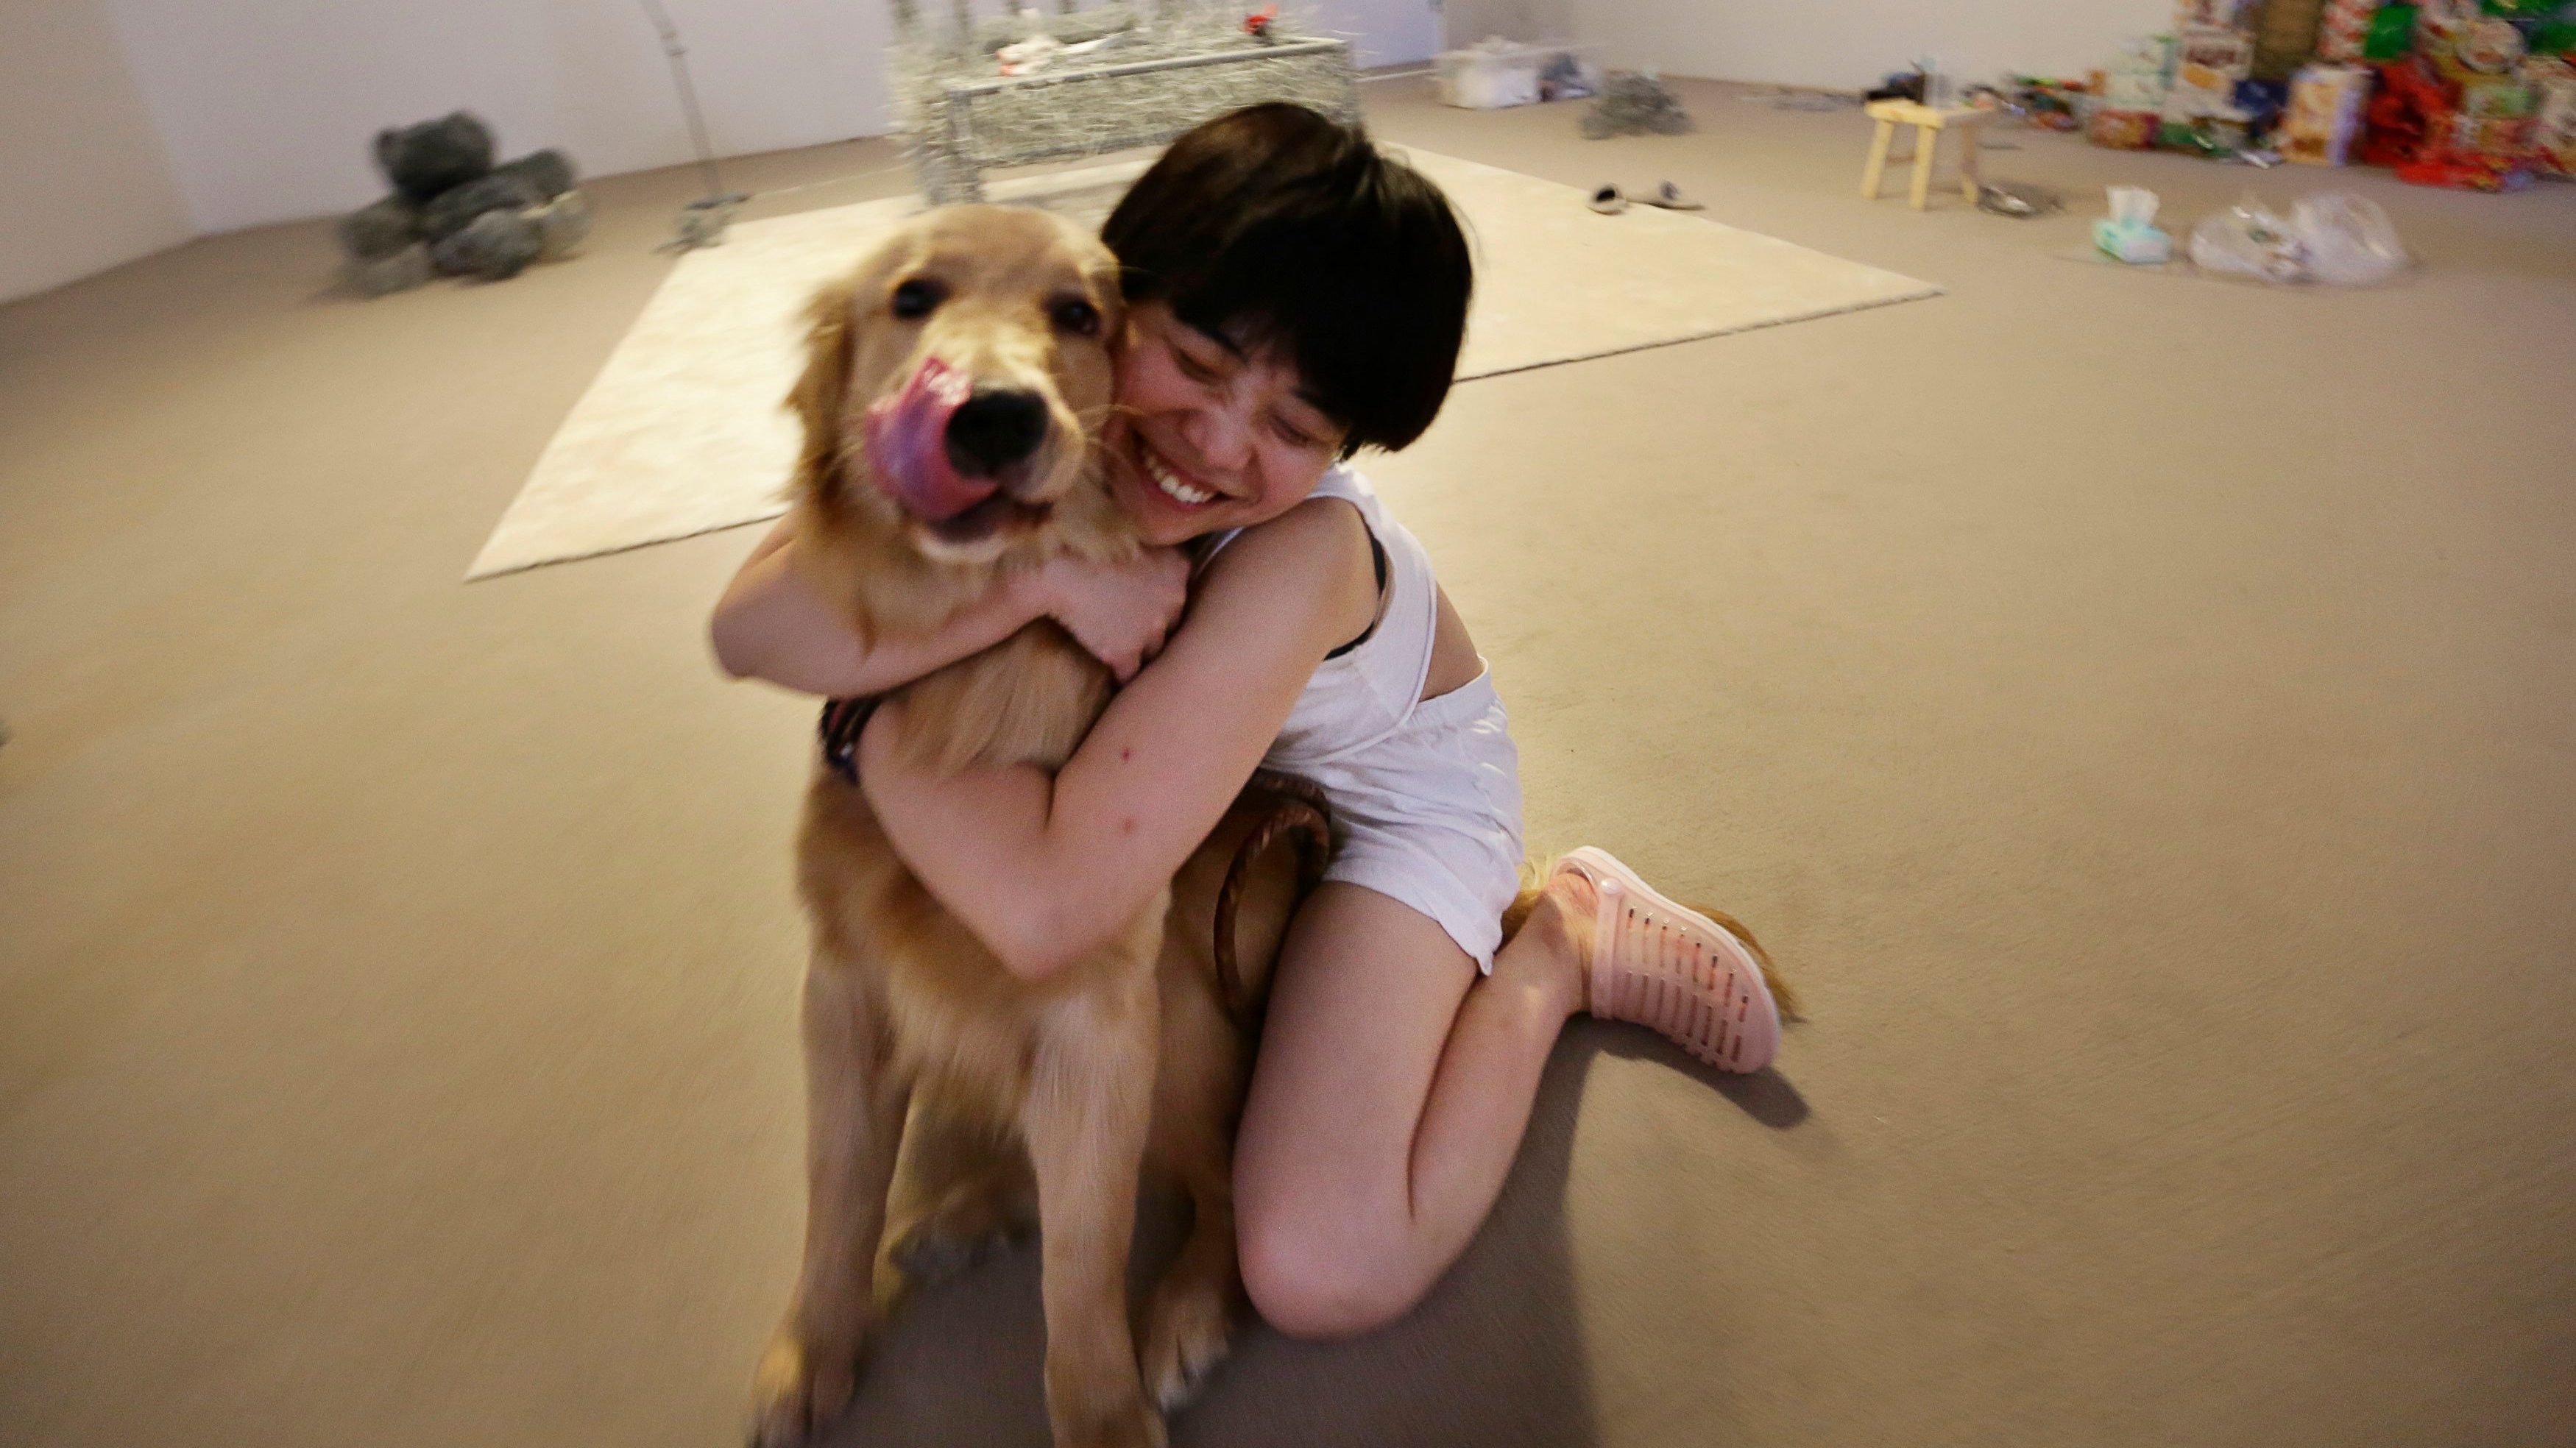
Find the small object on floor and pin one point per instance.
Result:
(1566, 78)
(1635, 103)
(2248, 240)
(563, 224)
(1609, 200)
(2020, 200)
(455, 209)
(2337, 238)
(549, 172)
(444, 182)
(2123, 130)
(375, 232)
(494, 246)
(1490, 75)
(1928, 123)
(2130, 232)
(396, 272)
(702, 222)
(1258, 24)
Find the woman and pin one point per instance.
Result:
(1294, 296)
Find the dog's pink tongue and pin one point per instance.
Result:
(908, 443)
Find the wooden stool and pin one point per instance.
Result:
(1928, 124)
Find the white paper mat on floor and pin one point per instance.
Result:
(682, 431)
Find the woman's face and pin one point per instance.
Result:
(1208, 436)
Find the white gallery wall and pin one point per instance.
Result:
(269, 106)
(1381, 32)
(1848, 44)
(79, 154)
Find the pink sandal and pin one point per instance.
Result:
(1659, 964)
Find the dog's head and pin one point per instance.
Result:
(955, 385)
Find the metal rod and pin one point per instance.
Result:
(678, 55)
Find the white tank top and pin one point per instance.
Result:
(1364, 693)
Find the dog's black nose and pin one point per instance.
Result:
(995, 428)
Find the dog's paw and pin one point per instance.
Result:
(1187, 1333)
(1135, 1427)
(938, 1249)
(972, 1223)
(799, 1390)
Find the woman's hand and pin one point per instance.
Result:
(1118, 612)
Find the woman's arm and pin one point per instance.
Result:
(1043, 870)
(772, 625)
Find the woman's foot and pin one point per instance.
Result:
(1657, 963)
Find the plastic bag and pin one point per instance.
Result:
(2248, 240)
(2351, 242)
(2336, 238)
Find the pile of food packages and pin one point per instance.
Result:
(2479, 94)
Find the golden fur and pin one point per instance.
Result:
(919, 1044)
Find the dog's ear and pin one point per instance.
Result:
(1111, 298)
(823, 390)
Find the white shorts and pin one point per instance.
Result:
(1430, 815)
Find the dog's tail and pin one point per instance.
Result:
(1298, 813)
(1534, 876)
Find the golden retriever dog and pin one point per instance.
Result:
(953, 391)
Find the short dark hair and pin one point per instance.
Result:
(1275, 226)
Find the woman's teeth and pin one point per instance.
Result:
(1170, 482)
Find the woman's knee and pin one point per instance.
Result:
(1313, 1275)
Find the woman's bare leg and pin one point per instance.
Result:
(1389, 1100)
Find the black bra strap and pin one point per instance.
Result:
(1377, 559)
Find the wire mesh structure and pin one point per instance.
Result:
(1136, 80)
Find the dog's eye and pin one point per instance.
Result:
(916, 299)
(1079, 317)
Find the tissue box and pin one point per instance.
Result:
(2136, 245)
(2130, 231)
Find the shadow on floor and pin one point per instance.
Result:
(1494, 1356)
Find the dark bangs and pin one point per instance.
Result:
(1277, 228)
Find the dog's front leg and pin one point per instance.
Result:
(1090, 1103)
(854, 1105)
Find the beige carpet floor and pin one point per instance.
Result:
(2142, 712)
(683, 432)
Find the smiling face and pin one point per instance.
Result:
(1209, 435)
